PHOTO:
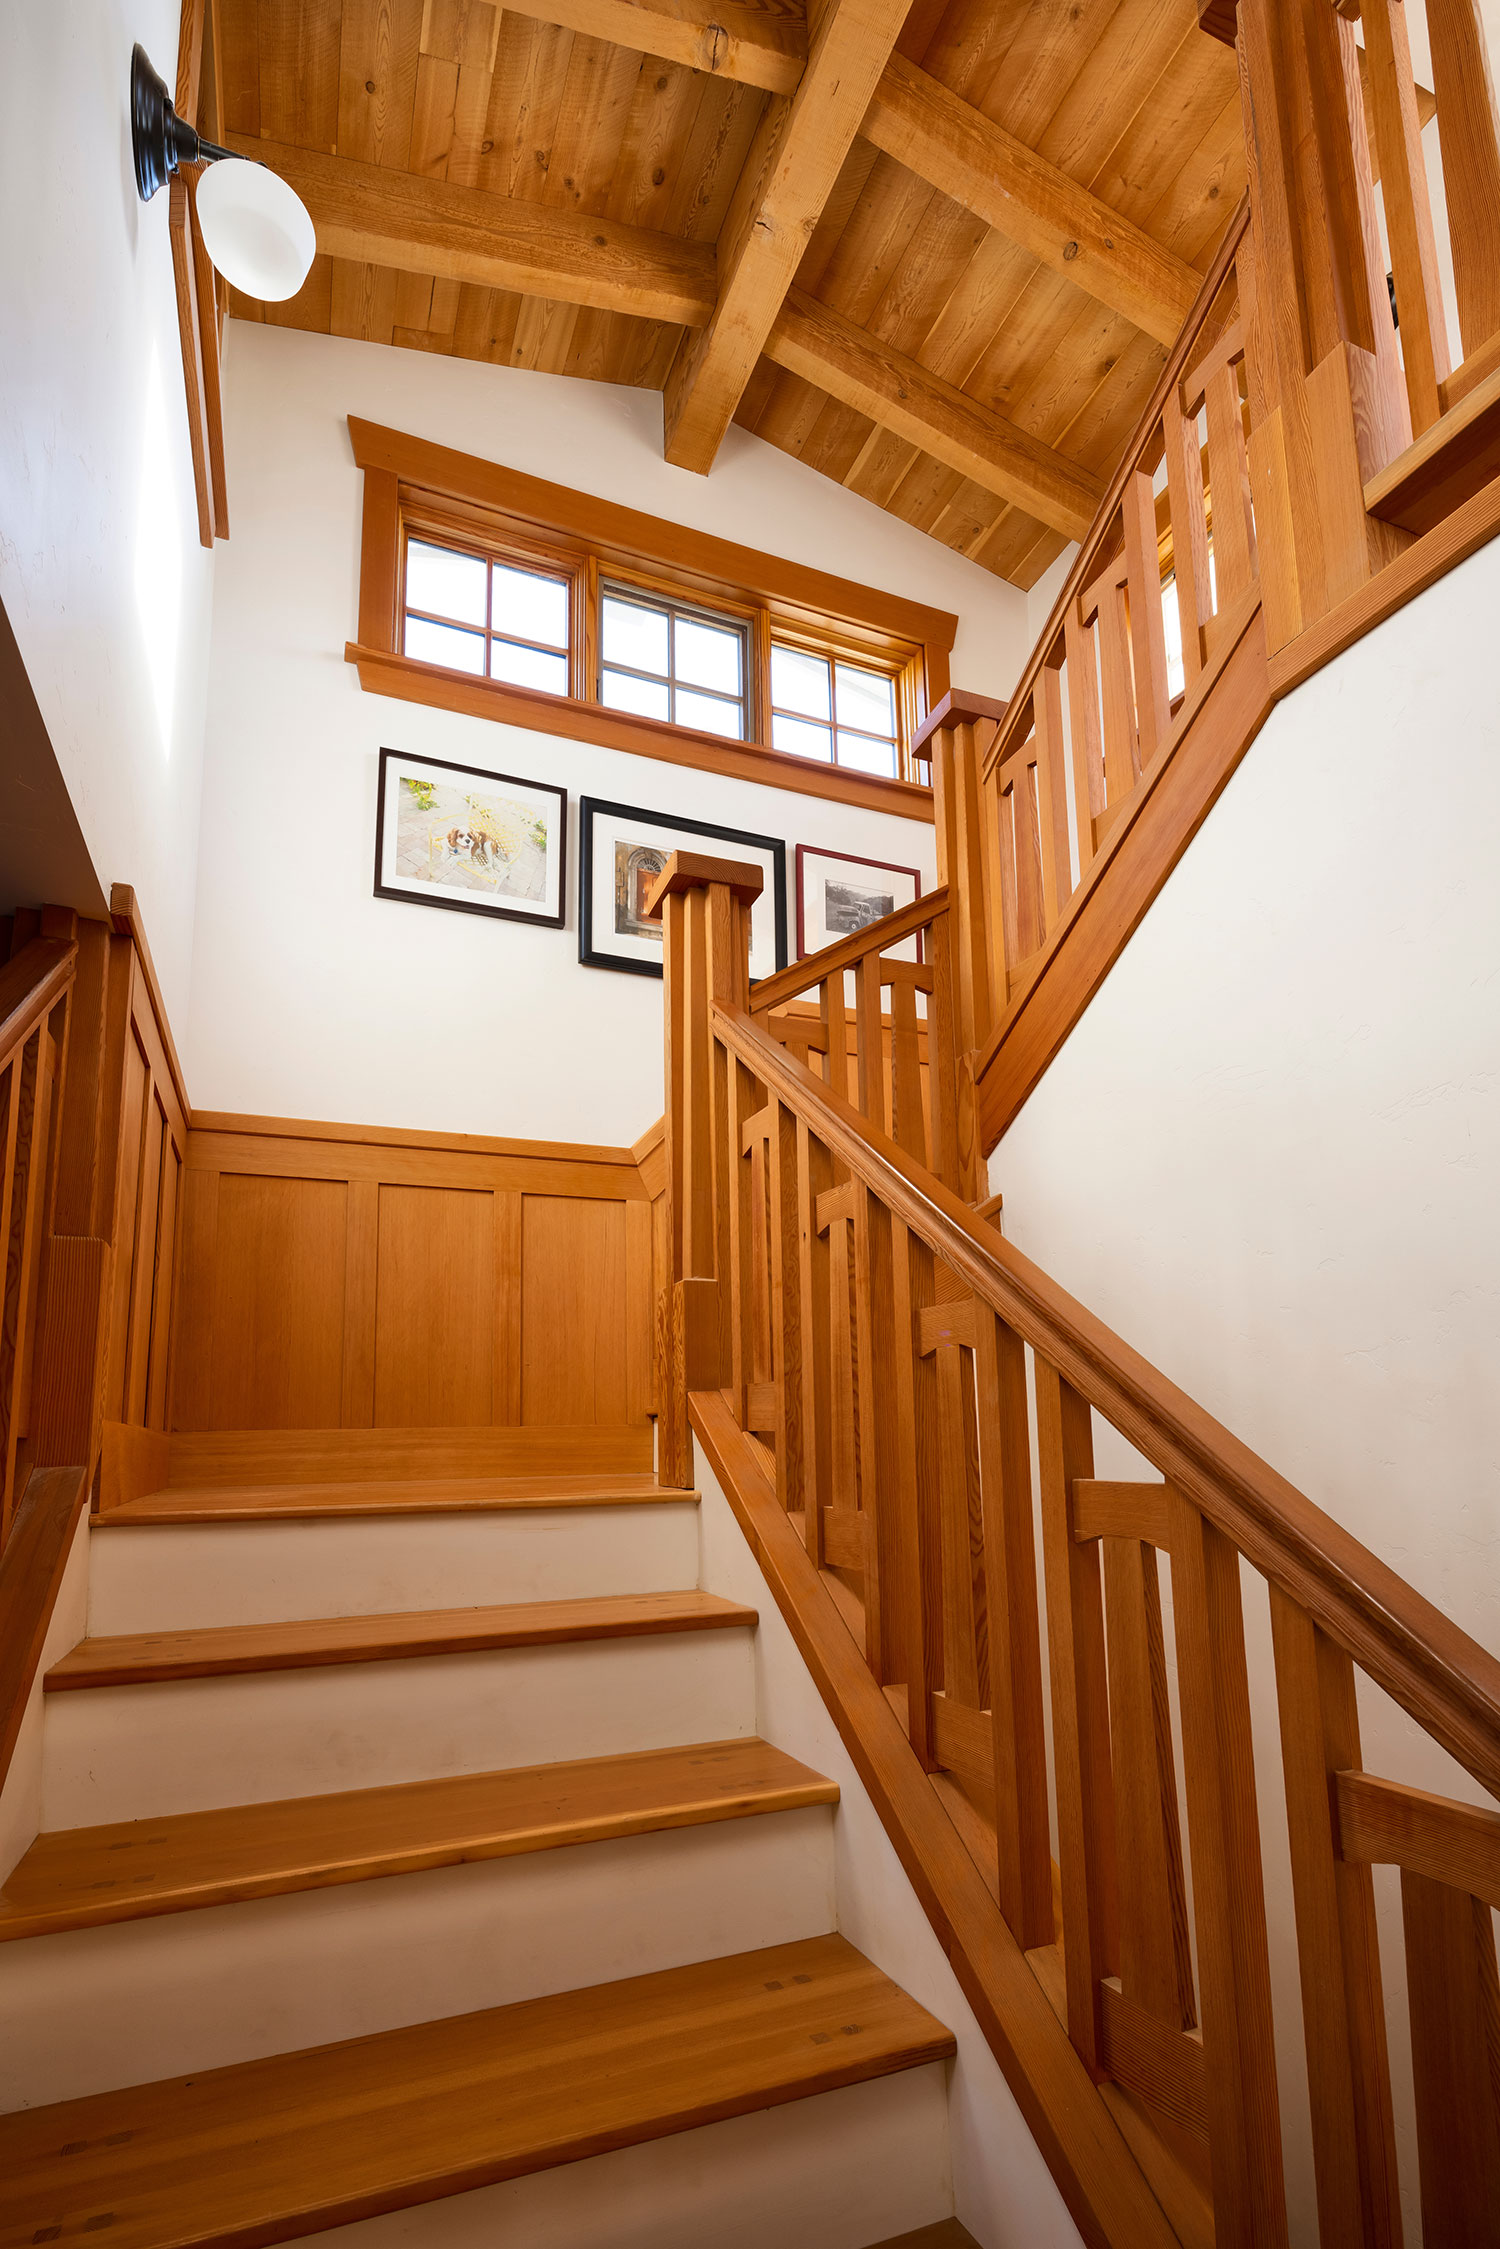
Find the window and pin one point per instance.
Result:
(840, 712)
(666, 661)
(487, 591)
(495, 619)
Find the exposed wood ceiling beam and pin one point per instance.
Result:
(811, 340)
(794, 161)
(757, 43)
(955, 147)
(416, 225)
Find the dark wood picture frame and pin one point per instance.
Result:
(852, 859)
(588, 953)
(495, 912)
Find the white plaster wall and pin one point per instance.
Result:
(101, 572)
(1002, 2189)
(312, 997)
(1270, 1152)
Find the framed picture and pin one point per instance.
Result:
(482, 843)
(624, 849)
(838, 895)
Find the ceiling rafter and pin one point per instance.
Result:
(812, 340)
(757, 44)
(793, 164)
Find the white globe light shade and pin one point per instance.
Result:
(255, 229)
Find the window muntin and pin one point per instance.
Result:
(840, 713)
(660, 659)
(474, 613)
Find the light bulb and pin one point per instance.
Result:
(255, 229)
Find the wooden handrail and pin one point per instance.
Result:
(1444, 1679)
(29, 985)
(847, 952)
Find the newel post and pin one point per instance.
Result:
(955, 737)
(704, 908)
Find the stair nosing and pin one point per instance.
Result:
(227, 1651)
(199, 1504)
(461, 1843)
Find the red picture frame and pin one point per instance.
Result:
(806, 851)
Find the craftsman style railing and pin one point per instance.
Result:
(936, 1410)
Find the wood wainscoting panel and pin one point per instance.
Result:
(574, 1316)
(278, 1303)
(435, 1309)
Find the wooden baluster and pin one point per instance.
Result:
(942, 1083)
(869, 1040)
(1229, 473)
(756, 1140)
(30, 1079)
(834, 1218)
(743, 1099)
(819, 1395)
(1244, 2127)
(1006, 854)
(1080, 1712)
(1017, 779)
(1089, 793)
(1156, 1968)
(945, 1329)
(908, 1126)
(1021, 1821)
(834, 1017)
(1188, 506)
(906, 1409)
(1408, 209)
(1148, 643)
(1338, 1952)
(786, 1309)
(1454, 1997)
(1105, 600)
(1471, 162)
(1052, 798)
(866, 1431)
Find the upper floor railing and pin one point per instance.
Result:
(1117, 1636)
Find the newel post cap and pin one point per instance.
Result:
(693, 870)
(959, 707)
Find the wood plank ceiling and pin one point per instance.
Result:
(934, 251)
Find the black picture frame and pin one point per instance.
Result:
(589, 953)
(494, 911)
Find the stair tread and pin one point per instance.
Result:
(74, 1878)
(427, 1495)
(213, 1651)
(264, 2151)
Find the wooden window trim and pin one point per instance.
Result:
(411, 482)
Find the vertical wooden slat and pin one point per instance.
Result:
(942, 1084)
(833, 1015)
(786, 1308)
(1244, 2126)
(28, 1078)
(1471, 162)
(1408, 209)
(1122, 751)
(1147, 633)
(1156, 1968)
(869, 1041)
(965, 1626)
(1089, 796)
(1021, 1822)
(1080, 1711)
(1052, 798)
(1454, 1998)
(1185, 499)
(1229, 473)
(1338, 1952)
(820, 1395)
(838, 1328)
(866, 1426)
(738, 1189)
(901, 1274)
(908, 1125)
(361, 1255)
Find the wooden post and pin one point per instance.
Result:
(954, 737)
(704, 908)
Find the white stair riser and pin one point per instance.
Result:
(94, 2009)
(150, 1579)
(837, 2171)
(117, 1753)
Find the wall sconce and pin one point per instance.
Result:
(254, 228)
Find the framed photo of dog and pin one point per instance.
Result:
(477, 842)
(622, 851)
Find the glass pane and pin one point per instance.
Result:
(622, 693)
(444, 644)
(712, 713)
(802, 740)
(866, 700)
(531, 606)
(866, 756)
(636, 636)
(528, 667)
(799, 682)
(451, 584)
(709, 655)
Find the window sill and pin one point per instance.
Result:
(382, 673)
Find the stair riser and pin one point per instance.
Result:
(162, 1580)
(94, 2009)
(117, 1753)
(837, 2171)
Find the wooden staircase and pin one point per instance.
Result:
(287, 1955)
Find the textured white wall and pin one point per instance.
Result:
(312, 997)
(101, 573)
